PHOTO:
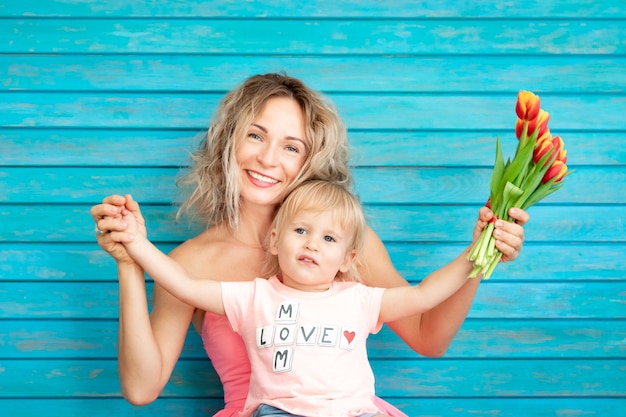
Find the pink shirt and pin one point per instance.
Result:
(228, 355)
(307, 349)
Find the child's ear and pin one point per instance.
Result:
(347, 262)
(273, 244)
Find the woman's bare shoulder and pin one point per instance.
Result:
(215, 255)
(205, 246)
(189, 246)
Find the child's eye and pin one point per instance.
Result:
(300, 231)
(329, 238)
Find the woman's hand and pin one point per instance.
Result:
(509, 235)
(108, 219)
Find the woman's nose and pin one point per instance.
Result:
(268, 155)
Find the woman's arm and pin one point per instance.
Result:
(149, 344)
(431, 333)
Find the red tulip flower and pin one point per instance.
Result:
(528, 105)
(556, 172)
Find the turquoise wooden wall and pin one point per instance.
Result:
(103, 96)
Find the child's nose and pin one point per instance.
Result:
(311, 244)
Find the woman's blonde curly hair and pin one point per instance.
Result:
(212, 181)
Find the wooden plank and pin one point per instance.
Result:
(545, 300)
(372, 148)
(520, 300)
(536, 261)
(77, 339)
(441, 378)
(419, 224)
(360, 111)
(313, 36)
(502, 378)
(530, 9)
(518, 339)
(43, 261)
(478, 338)
(510, 407)
(586, 224)
(37, 185)
(85, 378)
(431, 407)
(351, 73)
(107, 407)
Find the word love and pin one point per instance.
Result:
(287, 333)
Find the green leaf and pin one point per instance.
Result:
(542, 192)
(518, 168)
(532, 182)
(498, 169)
(510, 195)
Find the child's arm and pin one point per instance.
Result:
(204, 294)
(401, 302)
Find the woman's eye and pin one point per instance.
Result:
(254, 136)
(329, 238)
(291, 148)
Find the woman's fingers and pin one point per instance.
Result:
(111, 206)
(509, 235)
(510, 238)
(110, 227)
(111, 224)
(520, 216)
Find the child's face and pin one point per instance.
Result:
(311, 249)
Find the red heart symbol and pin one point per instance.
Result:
(349, 336)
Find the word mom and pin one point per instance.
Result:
(287, 332)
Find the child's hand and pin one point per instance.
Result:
(133, 220)
(131, 225)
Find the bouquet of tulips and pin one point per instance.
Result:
(537, 169)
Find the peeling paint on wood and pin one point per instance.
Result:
(100, 97)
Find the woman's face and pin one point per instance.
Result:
(272, 153)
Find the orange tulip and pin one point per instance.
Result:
(544, 147)
(558, 143)
(545, 135)
(528, 105)
(519, 128)
(557, 170)
(541, 123)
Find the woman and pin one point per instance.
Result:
(267, 136)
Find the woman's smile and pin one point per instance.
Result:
(261, 180)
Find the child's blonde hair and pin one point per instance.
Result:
(318, 196)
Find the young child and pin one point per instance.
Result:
(306, 326)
